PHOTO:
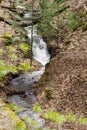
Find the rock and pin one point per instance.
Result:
(9, 120)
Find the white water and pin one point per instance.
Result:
(26, 81)
(39, 47)
(40, 52)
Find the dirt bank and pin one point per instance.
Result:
(66, 79)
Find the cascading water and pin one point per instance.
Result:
(40, 52)
(26, 81)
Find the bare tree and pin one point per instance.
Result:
(32, 36)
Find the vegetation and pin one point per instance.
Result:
(73, 21)
(24, 47)
(49, 10)
(20, 126)
(9, 52)
(48, 93)
(58, 118)
(6, 68)
(8, 38)
(14, 107)
(37, 108)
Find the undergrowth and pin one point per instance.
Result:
(9, 57)
(58, 118)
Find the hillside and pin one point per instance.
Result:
(63, 87)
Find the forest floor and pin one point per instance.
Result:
(63, 87)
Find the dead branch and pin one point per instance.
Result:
(5, 20)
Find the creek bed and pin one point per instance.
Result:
(26, 83)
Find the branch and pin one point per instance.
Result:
(21, 24)
(35, 21)
(62, 9)
(15, 9)
(12, 8)
(5, 20)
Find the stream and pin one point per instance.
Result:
(26, 82)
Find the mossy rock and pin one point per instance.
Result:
(9, 120)
(84, 27)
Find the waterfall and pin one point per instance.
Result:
(40, 54)
(25, 81)
(39, 47)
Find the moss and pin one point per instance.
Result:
(73, 21)
(15, 107)
(48, 93)
(82, 120)
(70, 117)
(7, 38)
(20, 126)
(84, 27)
(24, 47)
(11, 118)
